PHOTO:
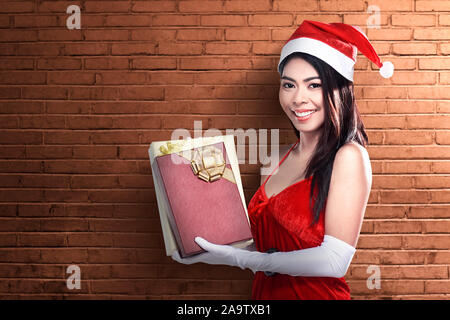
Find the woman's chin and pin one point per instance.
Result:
(306, 128)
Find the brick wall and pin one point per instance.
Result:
(79, 108)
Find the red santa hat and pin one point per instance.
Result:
(335, 43)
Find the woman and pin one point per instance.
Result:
(306, 217)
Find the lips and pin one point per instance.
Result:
(305, 117)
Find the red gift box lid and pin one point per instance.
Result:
(211, 210)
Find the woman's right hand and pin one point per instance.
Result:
(220, 254)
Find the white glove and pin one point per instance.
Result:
(331, 259)
(218, 254)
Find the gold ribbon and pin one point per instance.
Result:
(170, 147)
(207, 162)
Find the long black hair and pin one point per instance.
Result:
(342, 124)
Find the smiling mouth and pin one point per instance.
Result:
(303, 114)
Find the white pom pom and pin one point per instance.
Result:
(387, 70)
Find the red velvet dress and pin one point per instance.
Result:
(283, 222)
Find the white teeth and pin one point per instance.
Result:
(303, 113)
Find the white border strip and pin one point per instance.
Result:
(336, 59)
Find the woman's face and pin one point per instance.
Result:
(300, 91)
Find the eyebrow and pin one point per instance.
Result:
(304, 80)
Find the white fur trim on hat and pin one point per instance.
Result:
(336, 59)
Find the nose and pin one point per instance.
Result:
(300, 95)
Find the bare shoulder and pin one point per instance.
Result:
(353, 159)
(282, 151)
(353, 151)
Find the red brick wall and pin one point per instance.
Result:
(79, 108)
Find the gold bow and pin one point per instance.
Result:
(208, 164)
(170, 147)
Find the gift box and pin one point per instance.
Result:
(199, 193)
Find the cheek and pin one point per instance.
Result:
(284, 99)
(322, 115)
(318, 99)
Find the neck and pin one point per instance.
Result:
(308, 142)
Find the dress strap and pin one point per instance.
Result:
(279, 163)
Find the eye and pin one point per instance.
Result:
(290, 85)
(315, 85)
